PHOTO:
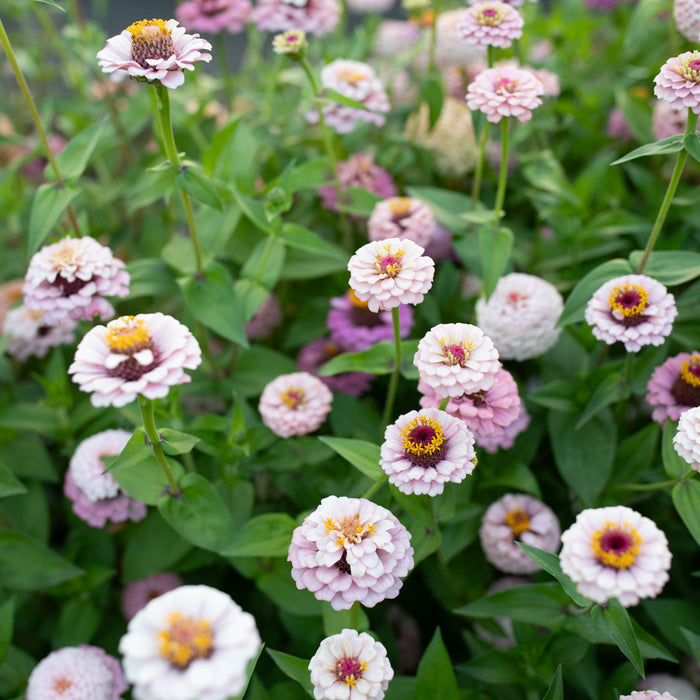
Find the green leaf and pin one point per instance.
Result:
(361, 454)
(615, 620)
(556, 687)
(611, 390)
(266, 535)
(198, 185)
(36, 417)
(433, 94)
(250, 669)
(7, 619)
(495, 251)
(674, 464)
(330, 96)
(672, 144)
(295, 668)
(49, 205)
(435, 677)
(177, 443)
(150, 277)
(670, 267)
(450, 208)
(558, 395)
(10, 485)
(73, 159)
(691, 143)
(52, 3)
(686, 499)
(378, 359)
(313, 245)
(692, 639)
(335, 621)
(265, 262)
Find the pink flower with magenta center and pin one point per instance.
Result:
(491, 23)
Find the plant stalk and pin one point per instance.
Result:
(394, 381)
(147, 407)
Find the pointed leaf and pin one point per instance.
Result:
(361, 454)
(177, 443)
(686, 499)
(615, 620)
(266, 535)
(674, 464)
(7, 620)
(49, 205)
(436, 677)
(193, 180)
(73, 159)
(670, 267)
(611, 390)
(10, 485)
(295, 668)
(495, 254)
(672, 144)
(556, 687)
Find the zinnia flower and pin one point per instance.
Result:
(617, 127)
(686, 441)
(674, 387)
(450, 47)
(517, 517)
(316, 17)
(192, 642)
(686, 14)
(393, 36)
(291, 43)
(295, 404)
(97, 497)
(667, 121)
(153, 50)
(615, 552)
(76, 673)
(491, 23)
(405, 218)
(676, 687)
(30, 336)
(505, 92)
(390, 272)
(350, 665)
(350, 549)
(214, 16)
(521, 316)
(678, 81)
(137, 594)
(504, 439)
(455, 359)
(423, 450)
(633, 309)
(71, 278)
(648, 695)
(144, 354)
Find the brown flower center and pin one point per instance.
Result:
(150, 40)
(132, 352)
(627, 303)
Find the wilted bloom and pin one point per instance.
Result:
(291, 43)
(97, 497)
(78, 673)
(30, 336)
(517, 517)
(674, 387)
(686, 14)
(667, 121)
(455, 359)
(144, 354)
(214, 16)
(350, 549)
(295, 404)
(491, 23)
(316, 17)
(505, 92)
(504, 439)
(265, 319)
(72, 278)
(406, 218)
(137, 594)
(615, 552)
(153, 50)
(633, 309)
(390, 272)
(686, 441)
(350, 665)
(423, 450)
(521, 316)
(192, 642)
(678, 81)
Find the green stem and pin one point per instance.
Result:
(373, 488)
(433, 38)
(490, 55)
(443, 403)
(266, 254)
(656, 486)
(355, 616)
(147, 407)
(502, 175)
(479, 171)
(394, 381)
(670, 192)
(270, 88)
(226, 75)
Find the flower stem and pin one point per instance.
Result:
(394, 381)
(670, 192)
(226, 76)
(355, 616)
(443, 403)
(502, 175)
(479, 171)
(147, 407)
(433, 37)
(374, 488)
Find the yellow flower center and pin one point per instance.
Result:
(351, 76)
(390, 263)
(127, 335)
(400, 206)
(185, 639)
(349, 529)
(148, 29)
(616, 545)
(422, 436)
(690, 371)
(690, 67)
(61, 685)
(294, 398)
(518, 521)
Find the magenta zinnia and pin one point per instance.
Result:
(674, 387)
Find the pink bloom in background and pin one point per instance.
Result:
(674, 387)
(377, 6)
(667, 121)
(440, 246)
(265, 319)
(359, 170)
(316, 17)
(615, 552)
(354, 327)
(71, 278)
(97, 498)
(403, 218)
(455, 359)
(390, 272)
(633, 309)
(77, 673)
(295, 404)
(506, 640)
(514, 3)
(550, 81)
(678, 81)
(137, 594)
(153, 50)
(144, 354)
(214, 16)
(423, 450)
(350, 665)
(450, 47)
(504, 439)
(393, 36)
(617, 127)
(350, 549)
(30, 336)
(686, 14)
(686, 441)
(676, 687)
(517, 517)
(505, 92)
(648, 695)
(491, 23)
(606, 5)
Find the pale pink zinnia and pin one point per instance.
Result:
(350, 549)
(31, 337)
(423, 450)
(351, 665)
(406, 218)
(134, 355)
(491, 23)
(674, 387)
(72, 278)
(137, 594)
(615, 552)
(678, 81)
(153, 50)
(686, 441)
(648, 695)
(633, 309)
(517, 517)
(393, 36)
(456, 358)
(505, 92)
(664, 682)
(667, 121)
(295, 404)
(504, 439)
(450, 47)
(686, 14)
(214, 16)
(316, 17)
(97, 498)
(390, 272)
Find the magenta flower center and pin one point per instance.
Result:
(456, 353)
(292, 38)
(294, 398)
(424, 442)
(627, 303)
(515, 297)
(349, 670)
(616, 545)
(389, 266)
(490, 16)
(690, 69)
(686, 387)
(150, 40)
(505, 85)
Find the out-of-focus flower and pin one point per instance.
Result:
(97, 498)
(291, 43)
(666, 120)
(617, 127)
(265, 319)
(615, 552)
(405, 218)
(72, 278)
(674, 387)
(30, 336)
(517, 517)
(137, 594)
(378, 6)
(678, 81)
(450, 48)
(423, 450)
(676, 687)
(606, 5)
(648, 695)
(80, 672)
(144, 354)
(550, 81)
(514, 3)
(633, 309)
(214, 16)
(394, 36)
(521, 316)
(153, 50)
(350, 549)
(350, 665)
(504, 439)
(686, 14)
(391, 272)
(295, 404)
(455, 359)
(191, 642)
(317, 17)
(491, 23)
(686, 441)
(505, 92)
(10, 294)
(440, 246)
